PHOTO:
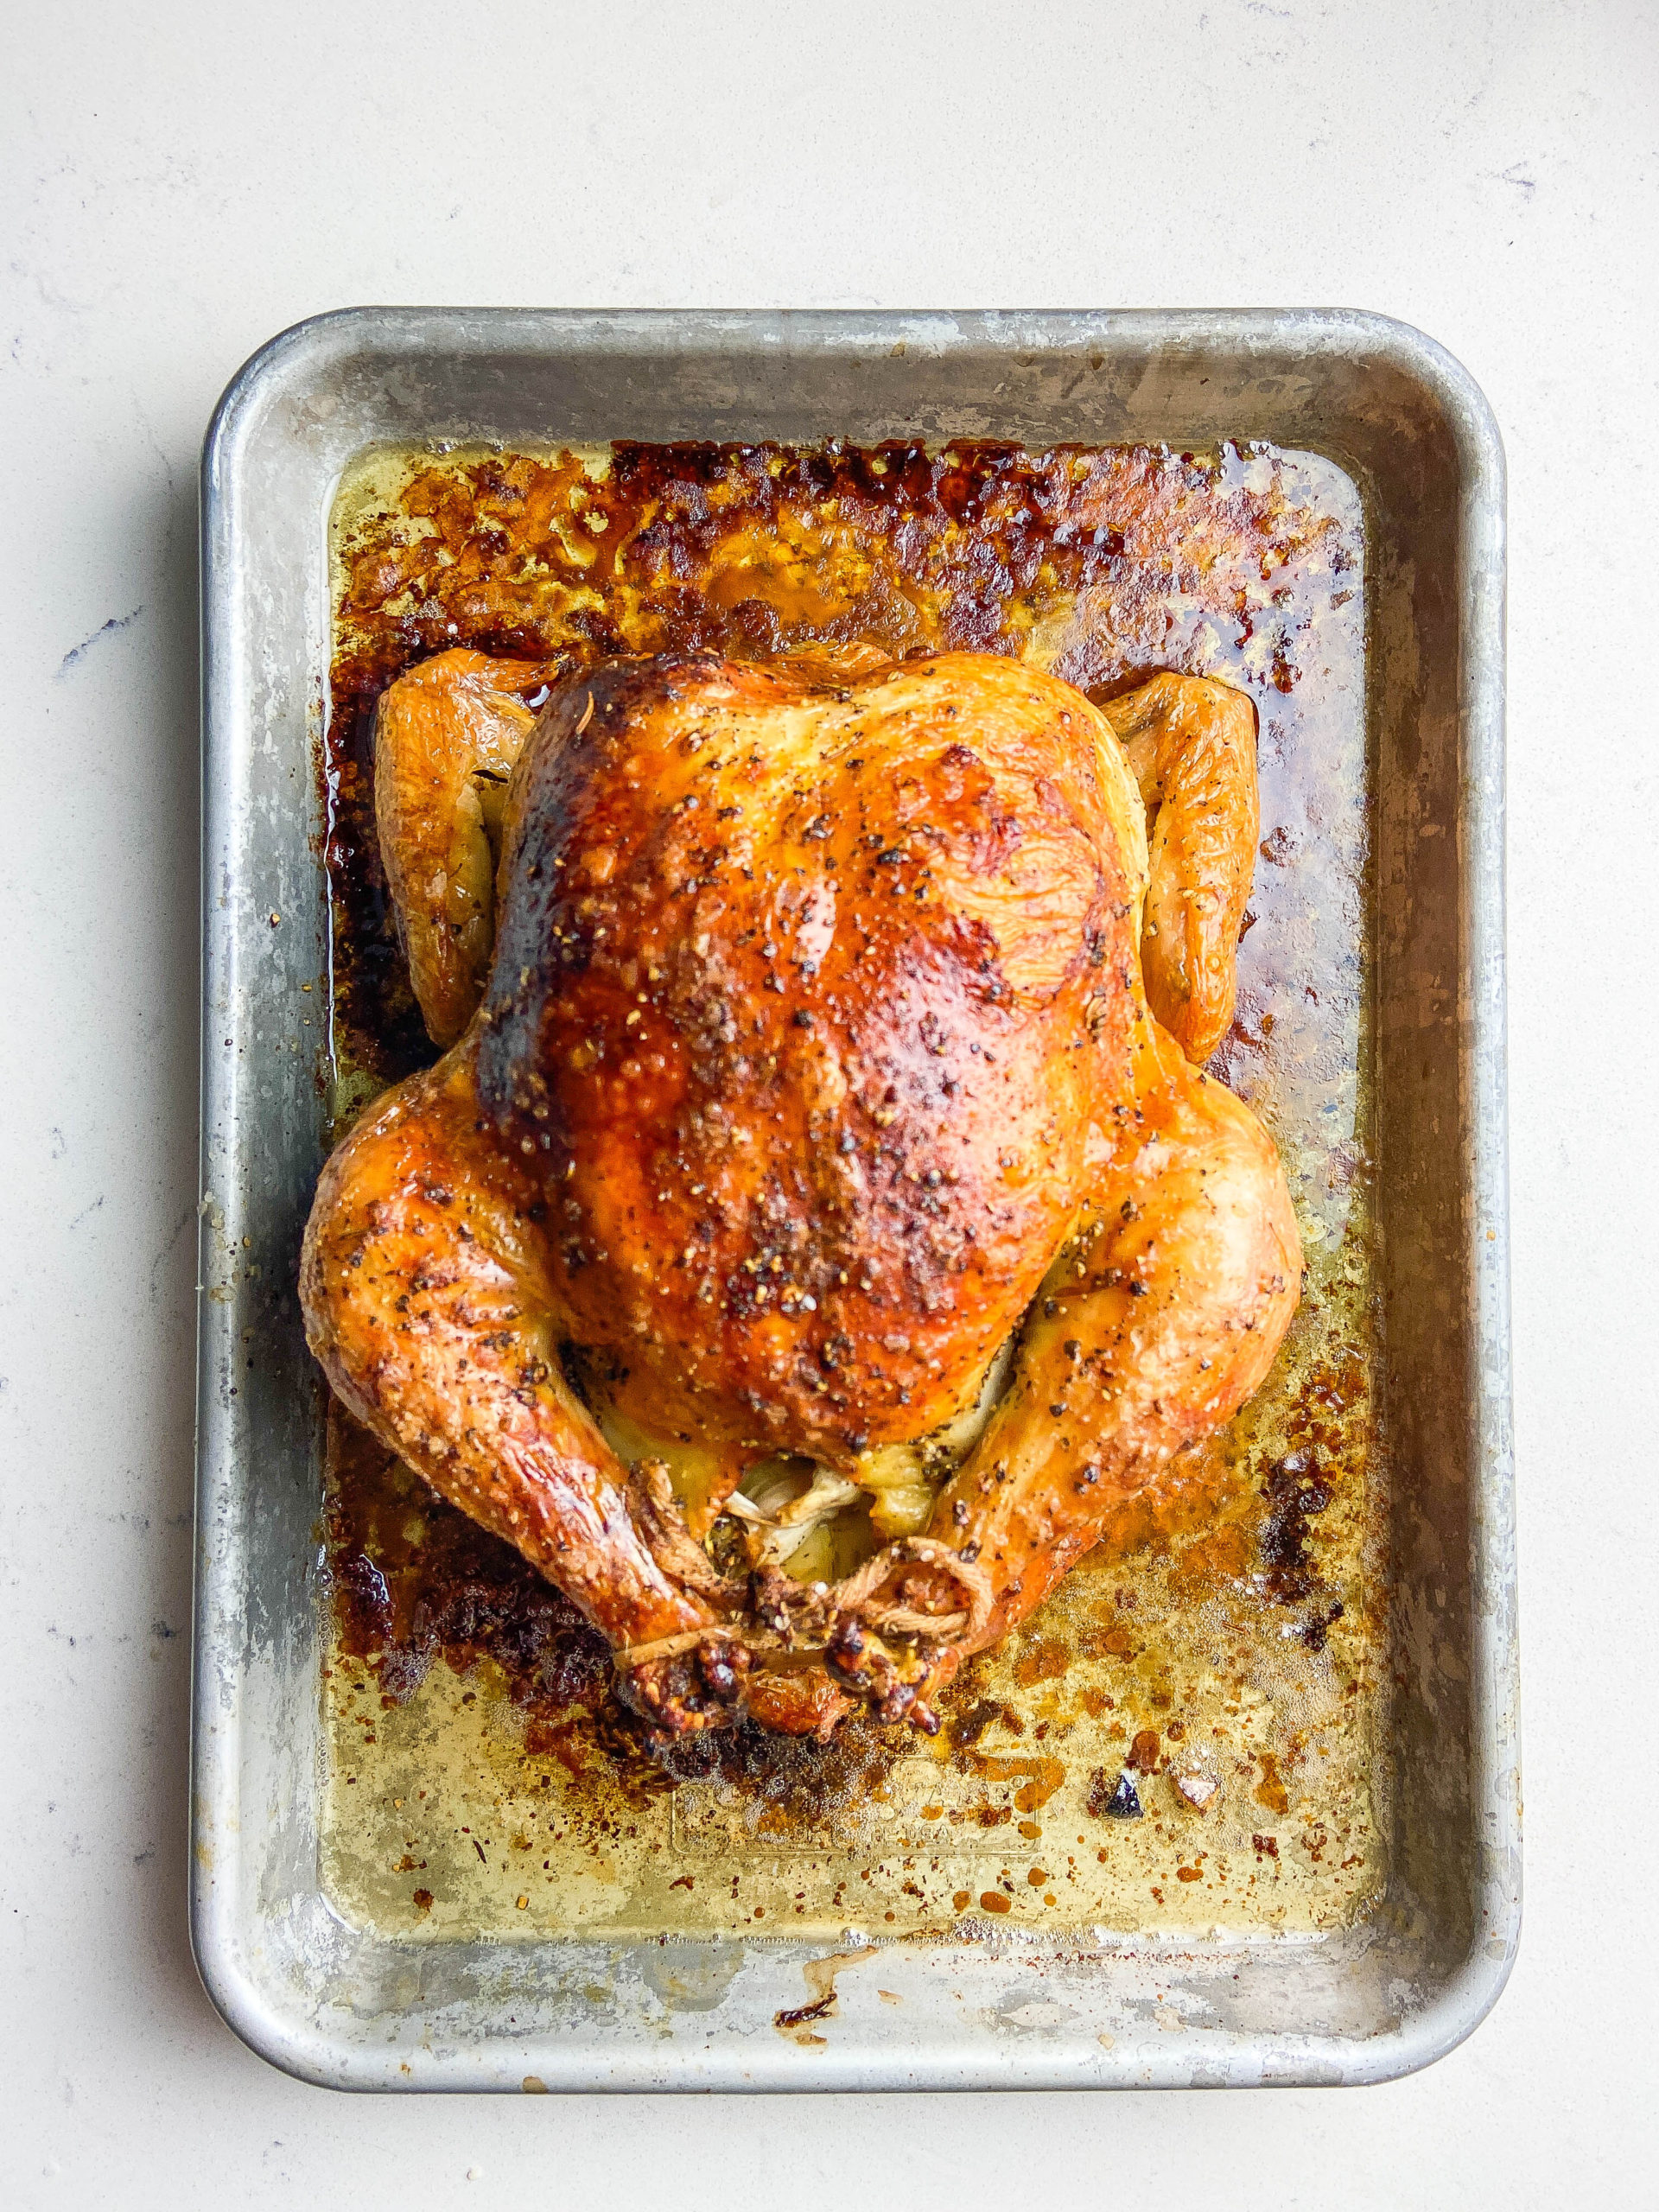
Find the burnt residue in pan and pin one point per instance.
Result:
(1295, 1492)
(416, 1583)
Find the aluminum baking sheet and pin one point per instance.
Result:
(1349, 1907)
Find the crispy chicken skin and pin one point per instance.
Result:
(814, 1056)
(810, 1002)
(1162, 1316)
(447, 736)
(448, 731)
(1190, 744)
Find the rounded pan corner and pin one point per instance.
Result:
(1439, 375)
(235, 1992)
(293, 356)
(1461, 2004)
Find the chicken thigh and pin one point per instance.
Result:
(813, 1082)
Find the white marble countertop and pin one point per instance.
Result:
(181, 181)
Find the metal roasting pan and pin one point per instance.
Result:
(350, 2007)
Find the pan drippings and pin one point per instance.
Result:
(1183, 1736)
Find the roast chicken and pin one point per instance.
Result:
(819, 1218)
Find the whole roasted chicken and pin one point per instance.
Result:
(811, 1232)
